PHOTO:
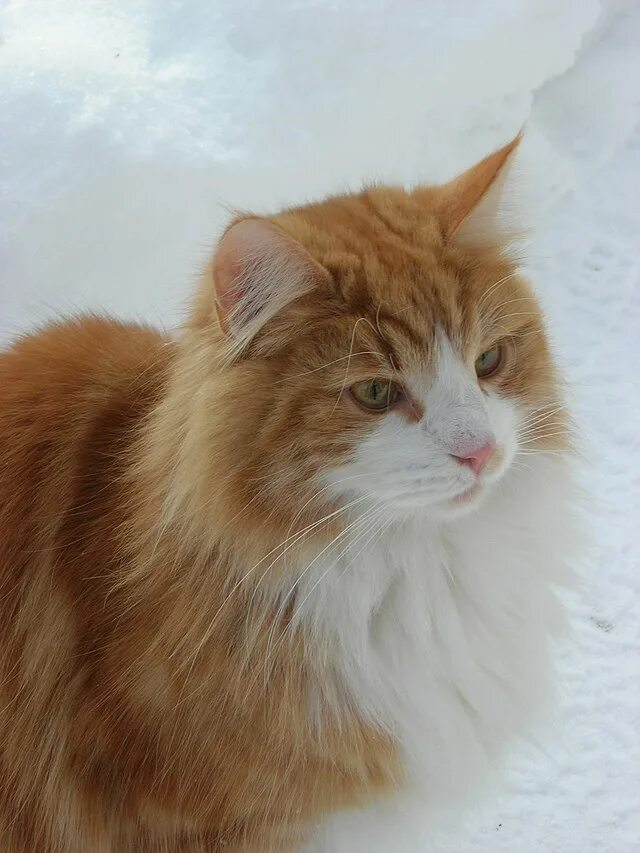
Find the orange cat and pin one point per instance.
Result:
(294, 561)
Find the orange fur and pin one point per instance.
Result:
(146, 489)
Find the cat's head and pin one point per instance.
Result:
(379, 348)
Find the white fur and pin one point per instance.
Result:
(437, 620)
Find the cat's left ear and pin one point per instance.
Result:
(471, 207)
(258, 269)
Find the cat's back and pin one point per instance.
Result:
(63, 390)
(73, 398)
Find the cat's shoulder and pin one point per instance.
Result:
(63, 355)
(57, 380)
(80, 340)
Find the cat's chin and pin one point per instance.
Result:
(472, 498)
(458, 506)
(469, 496)
(465, 502)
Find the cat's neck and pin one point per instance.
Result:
(446, 625)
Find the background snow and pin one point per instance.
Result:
(127, 127)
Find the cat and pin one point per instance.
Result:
(300, 559)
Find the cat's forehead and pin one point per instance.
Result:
(386, 222)
(391, 267)
(383, 248)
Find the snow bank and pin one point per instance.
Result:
(128, 129)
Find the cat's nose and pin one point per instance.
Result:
(478, 458)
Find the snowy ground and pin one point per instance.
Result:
(127, 126)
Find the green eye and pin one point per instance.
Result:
(377, 395)
(488, 362)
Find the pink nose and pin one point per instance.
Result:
(478, 458)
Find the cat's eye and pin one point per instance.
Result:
(488, 362)
(376, 395)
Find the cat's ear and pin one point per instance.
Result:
(471, 207)
(258, 269)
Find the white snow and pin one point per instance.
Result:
(127, 130)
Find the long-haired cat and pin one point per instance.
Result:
(298, 560)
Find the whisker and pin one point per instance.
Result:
(541, 451)
(343, 533)
(329, 363)
(381, 531)
(519, 464)
(510, 301)
(378, 320)
(540, 415)
(519, 314)
(371, 519)
(326, 488)
(296, 538)
(488, 292)
(290, 542)
(346, 373)
(534, 426)
(542, 436)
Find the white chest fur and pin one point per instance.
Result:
(440, 632)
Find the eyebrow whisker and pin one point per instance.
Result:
(329, 363)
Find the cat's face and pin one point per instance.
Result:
(445, 434)
(424, 399)
(383, 362)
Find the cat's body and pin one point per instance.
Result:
(207, 639)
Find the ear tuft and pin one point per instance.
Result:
(258, 269)
(470, 205)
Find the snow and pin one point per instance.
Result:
(128, 130)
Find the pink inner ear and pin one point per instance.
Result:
(257, 270)
(243, 249)
(228, 275)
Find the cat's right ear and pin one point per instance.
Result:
(258, 269)
(472, 208)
